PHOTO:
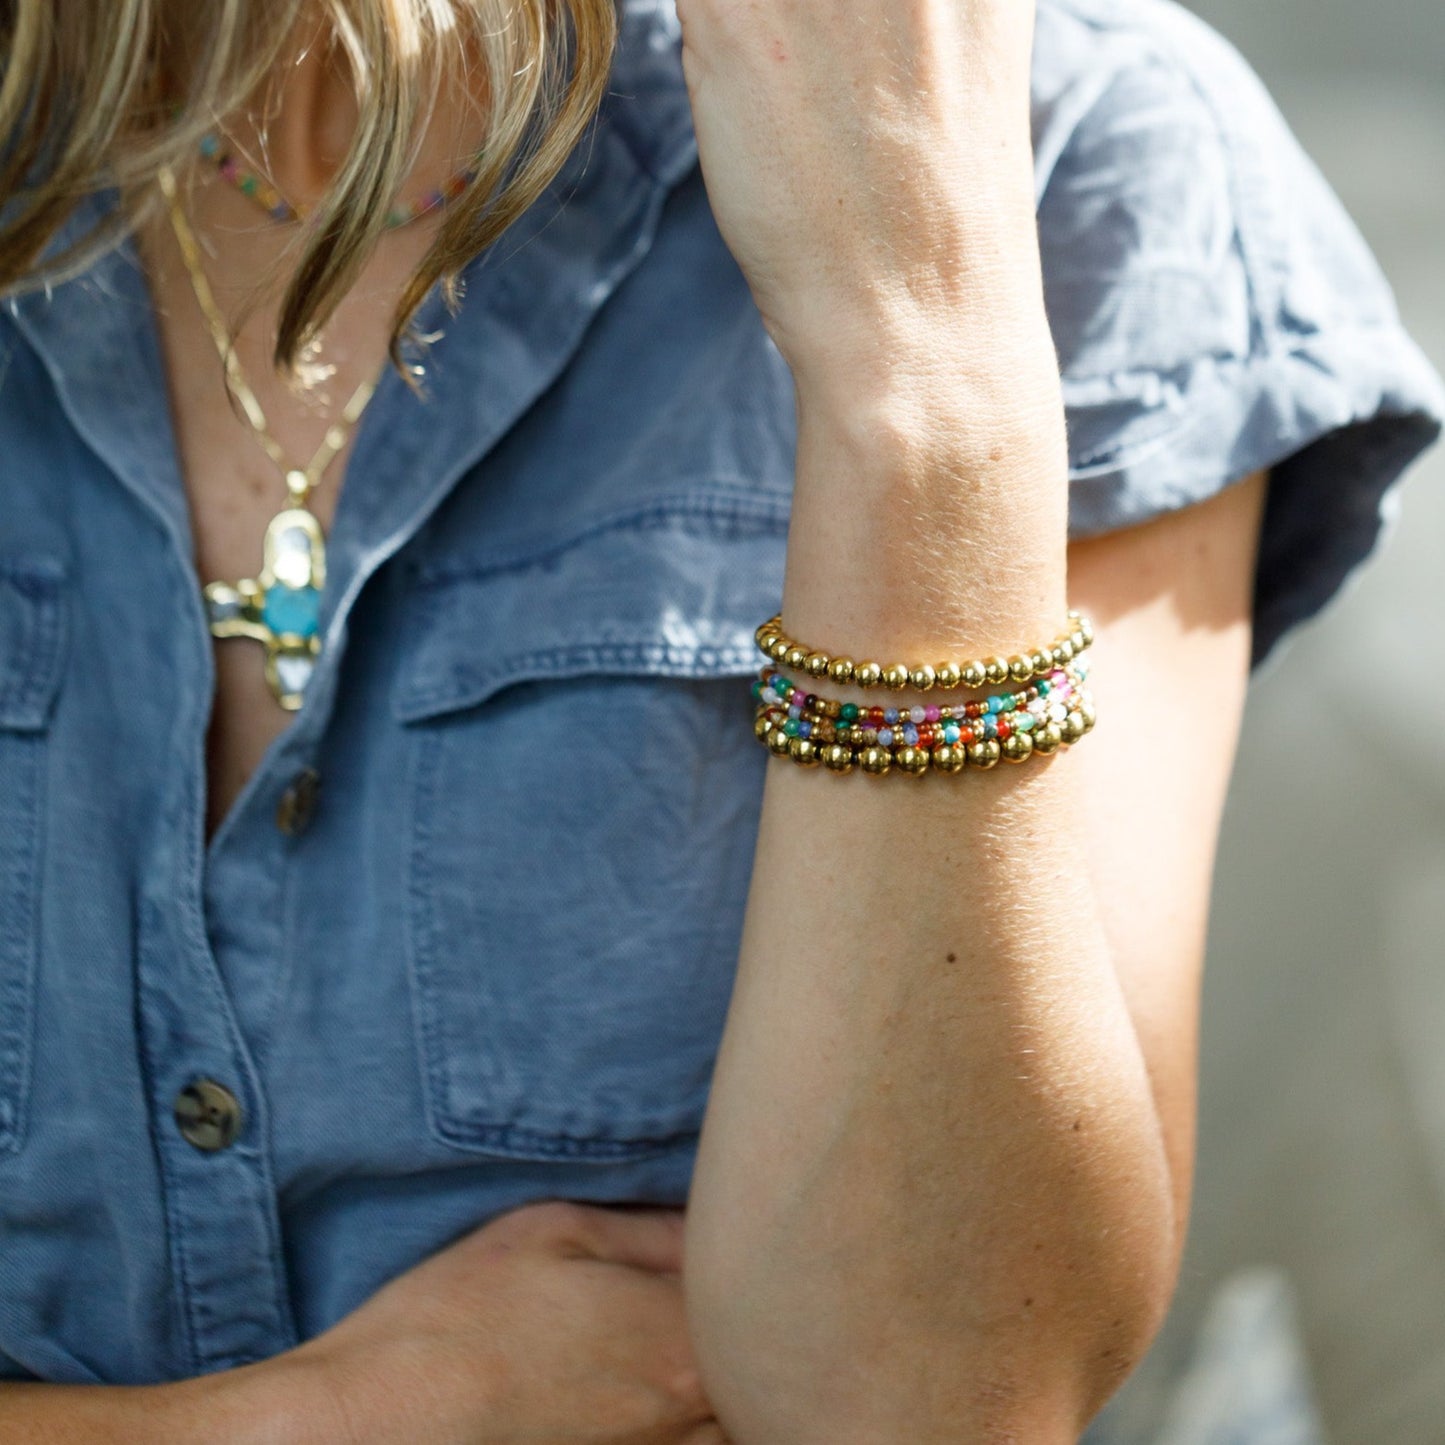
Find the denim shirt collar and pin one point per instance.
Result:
(528, 302)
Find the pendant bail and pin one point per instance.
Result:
(299, 485)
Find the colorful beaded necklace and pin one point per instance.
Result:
(259, 189)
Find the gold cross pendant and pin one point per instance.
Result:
(280, 608)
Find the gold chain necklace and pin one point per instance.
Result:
(280, 607)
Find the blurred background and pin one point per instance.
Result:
(1322, 1143)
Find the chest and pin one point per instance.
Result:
(235, 485)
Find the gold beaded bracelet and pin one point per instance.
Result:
(776, 644)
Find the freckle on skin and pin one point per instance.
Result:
(953, 958)
(779, 54)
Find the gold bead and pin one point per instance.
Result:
(1072, 726)
(762, 725)
(895, 677)
(1087, 629)
(876, 760)
(1076, 638)
(868, 674)
(1042, 661)
(816, 664)
(1063, 652)
(995, 670)
(838, 757)
(1020, 668)
(778, 741)
(778, 649)
(841, 669)
(984, 754)
(975, 674)
(831, 706)
(947, 674)
(923, 677)
(912, 760)
(1048, 738)
(1088, 712)
(949, 759)
(1017, 748)
(804, 751)
(796, 656)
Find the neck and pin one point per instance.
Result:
(299, 129)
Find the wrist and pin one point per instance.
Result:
(285, 1400)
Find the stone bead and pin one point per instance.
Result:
(816, 664)
(876, 761)
(804, 751)
(841, 669)
(895, 677)
(838, 757)
(996, 670)
(947, 675)
(868, 674)
(922, 677)
(1017, 748)
(983, 754)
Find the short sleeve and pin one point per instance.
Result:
(1216, 311)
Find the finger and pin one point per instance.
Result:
(643, 1237)
(708, 1433)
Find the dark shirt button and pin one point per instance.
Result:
(208, 1115)
(298, 802)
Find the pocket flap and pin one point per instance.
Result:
(32, 640)
(675, 589)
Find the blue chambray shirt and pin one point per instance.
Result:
(494, 964)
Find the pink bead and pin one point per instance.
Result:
(932, 713)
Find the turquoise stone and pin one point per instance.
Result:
(292, 609)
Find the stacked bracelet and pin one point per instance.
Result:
(1047, 709)
(1039, 662)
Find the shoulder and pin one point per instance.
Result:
(1215, 308)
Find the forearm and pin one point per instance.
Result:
(932, 1196)
(272, 1403)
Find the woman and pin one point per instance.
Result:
(392, 881)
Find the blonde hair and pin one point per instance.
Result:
(98, 93)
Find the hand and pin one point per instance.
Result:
(851, 149)
(555, 1324)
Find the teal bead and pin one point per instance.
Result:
(292, 609)
(791, 727)
(1027, 722)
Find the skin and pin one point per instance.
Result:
(944, 1175)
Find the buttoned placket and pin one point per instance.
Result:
(211, 917)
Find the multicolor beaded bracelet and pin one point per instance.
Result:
(1037, 662)
(809, 729)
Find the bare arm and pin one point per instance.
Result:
(942, 1185)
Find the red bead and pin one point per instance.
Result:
(1003, 729)
(965, 736)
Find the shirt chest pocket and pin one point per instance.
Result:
(585, 794)
(32, 648)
